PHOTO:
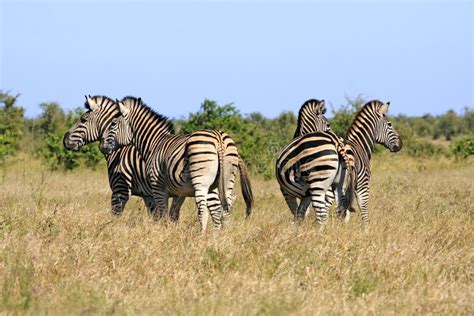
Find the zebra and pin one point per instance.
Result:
(369, 127)
(311, 118)
(313, 164)
(199, 164)
(126, 168)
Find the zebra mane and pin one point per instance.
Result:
(103, 100)
(369, 107)
(138, 103)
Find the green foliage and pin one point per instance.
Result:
(52, 119)
(344, 116)
(258, 139)
(11, 124)
(423, 148)
(448, 125)
(468, 119)
(53, 151)
(363, 285)
(213, 116)
(464, 147)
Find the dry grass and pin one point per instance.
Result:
(63, 253)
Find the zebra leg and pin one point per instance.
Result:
(161, 206)
(218, 214)
(292, 204)
(230, 202)
(203, 214)
(160, 195)
(330, 197)
(302, 210)
(149, 203)
(118, 202)
(319, 204)
(342, 207)
(341, 203)
(363, 201)
(175, 207)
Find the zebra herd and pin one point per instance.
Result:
(147, 159)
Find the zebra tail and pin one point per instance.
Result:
(221, 185)
(350, 178)
(245, 187)
(350, 185)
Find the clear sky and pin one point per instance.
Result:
(264, 56)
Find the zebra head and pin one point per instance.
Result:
(385, 133)
(119, 133)
(92, 124)
(311, 118)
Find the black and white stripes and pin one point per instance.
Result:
(313, 165)
(369, 127)
(145, 158)
(201, 164)
(126, 168)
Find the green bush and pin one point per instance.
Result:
(58, 157)
(11, 125)
(53, 151)
(420, 148)
(259, 140)
(345, 114)
(464, 147)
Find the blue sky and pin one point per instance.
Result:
(263, 56)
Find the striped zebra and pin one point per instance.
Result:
(126, 168)
(311, 118)
(313, 165)
(201, 164)
(369, 127)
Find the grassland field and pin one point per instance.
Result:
(62, 252)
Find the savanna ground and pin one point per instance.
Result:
(63, 253)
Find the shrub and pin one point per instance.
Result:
(57, 156)
(464, 147)
(11, 125)
(345, 114)
(420, 148)
(53, 151)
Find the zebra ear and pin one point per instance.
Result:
(124, 110)
(91, 104)
(383, 108)
(323, 106)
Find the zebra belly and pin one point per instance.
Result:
(185, 190)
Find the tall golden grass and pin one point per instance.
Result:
(62, 252)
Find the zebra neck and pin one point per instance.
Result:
(298, 133)
(363, 143)
(304, 128)
(148, 133)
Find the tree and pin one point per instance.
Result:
(468, 118)
(448, 125)
(344, 116)
(52, 119)
(213, 116)
(11, 124)
(54, 123)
